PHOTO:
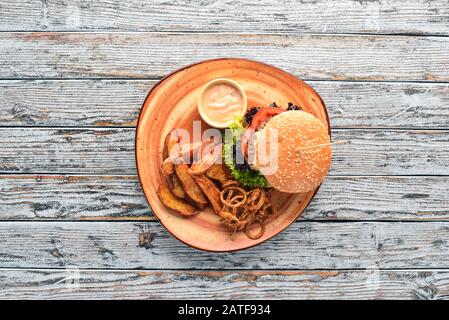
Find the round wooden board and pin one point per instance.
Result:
(172, 103)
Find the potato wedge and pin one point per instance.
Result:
(175, 147)
(172, 202)
(173, 181)
(218, 172)
(171, 140)
(190, 187)
(206, 160)
(176, 187)
(210, 190)
(168, 167)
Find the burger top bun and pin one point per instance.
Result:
(298, 169)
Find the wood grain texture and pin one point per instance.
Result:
(143, 54)
(117, 103)
(287, 16)
(304, 245)
(31, 197)
(72, 197)
(72, 102)
(160, 284)
(91, 63)
(381, 198)
(67, 150)
(391, 152)
(111, 151)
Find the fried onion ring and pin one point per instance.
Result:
(243, 209)
(228, 198)
(229, 183)
(256, 199)
(261, 231)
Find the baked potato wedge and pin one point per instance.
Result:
(168, 171)
(190, 187)
(168, 167)
(210, 190)
(171, 140)
(176, 186)
(218, 172)
(174, 203)
(207, 158)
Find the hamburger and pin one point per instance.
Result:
(287, 149)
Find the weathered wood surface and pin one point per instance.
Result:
(90, 64)
(161, 284)
(117, 103)
(35, 197)
(73, 102)
(147, 245)
(58, 197)
(67, 150)
(111, 151)
(288, 16)
(144, 54)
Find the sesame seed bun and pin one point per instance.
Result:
(297, 170)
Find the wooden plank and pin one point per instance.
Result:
(21, 15)
(390, 152)
(111, 151)
(147, 245)
(322, 284)
(59, 197)
(67, 150)
(34, 197)
(72, 102)
(117, 103)
(376, 105)
(143, 54)
(381, 198)
(406, 16)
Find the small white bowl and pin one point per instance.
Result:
(211, 122)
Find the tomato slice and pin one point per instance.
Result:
(263, 115)
(259, 118)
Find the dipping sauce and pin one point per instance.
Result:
(220, 101)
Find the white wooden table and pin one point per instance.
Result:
(74, 222)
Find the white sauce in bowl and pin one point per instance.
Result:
(220, 101)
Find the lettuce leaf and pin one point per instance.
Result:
(243, 173)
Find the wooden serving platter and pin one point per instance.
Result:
(172, 103)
